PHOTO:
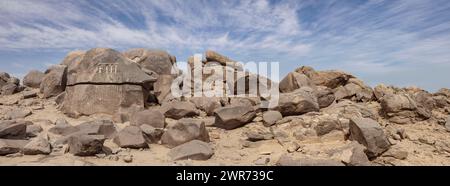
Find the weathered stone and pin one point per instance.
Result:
(33, 130)
(194, 150)
(54, 81)
(286, 160)
(326, 126)
(207, 104)
(29, 94)
(153, 118)
(325, 96)
(86, 145)
(18, 113)
(130, 137)
(33, 79)
(402, 109)
(231, 117)
(183, 131)
(105, 82)
(162, 87)
(381, 90)
(447, 124)
(8, 146)
(298, 102)
(179, 109)
(157, 61)
(294, 81)
(151, 134)
(262, 160)
(331, 79)
(348, 109)
(62, 127)
(396, 153)
(9, 89)
(355, 90)
(245, 101)
(13, 129)
(38, 145)
(98, 127)
(370, 134)
(271, 117)
(258, 133)
(353, 154)
(223, 60)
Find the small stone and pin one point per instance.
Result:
(128, 158)
(396, 153)
(101, 156)
(262, 160)
(292, 147)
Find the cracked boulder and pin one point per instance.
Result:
(105, 82)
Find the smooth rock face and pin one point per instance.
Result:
(194, 150)
(178, 109)
(63, 128)
(130, 137)
(271, 117)
(13, 130)
(38, 145)
(8, 146)
(86, 145)
(370, 134)
(153, 118)
(231, 117)
(298, 102)
(105, 82)
(102, 99)
(183, 131)
(33, 79)
(54, 81)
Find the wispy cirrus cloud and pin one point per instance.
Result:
(378, 40)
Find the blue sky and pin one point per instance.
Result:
(395, 42)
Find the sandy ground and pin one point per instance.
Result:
(427, 144)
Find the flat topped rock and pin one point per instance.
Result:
(107, 66)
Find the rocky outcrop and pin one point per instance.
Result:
(105, 82)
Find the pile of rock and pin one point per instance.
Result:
(9, 85)
(135, 86)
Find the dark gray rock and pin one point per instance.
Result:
(130, 137)
(370, 134)
(231, 117)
